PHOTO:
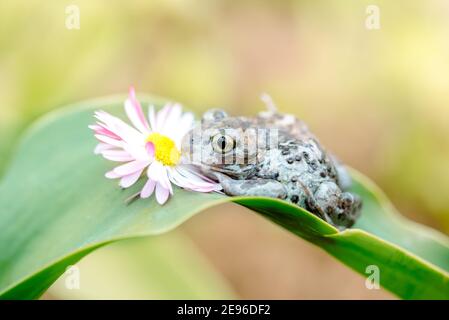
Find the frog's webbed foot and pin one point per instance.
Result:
(254, 187)
(342, 208)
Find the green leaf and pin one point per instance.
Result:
(145, 268)
(56, 207)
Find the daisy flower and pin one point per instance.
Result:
(150, 146)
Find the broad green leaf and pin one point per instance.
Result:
(164, 267)
(56, 207)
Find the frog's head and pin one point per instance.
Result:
(222, 144)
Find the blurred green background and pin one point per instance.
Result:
(378, 98)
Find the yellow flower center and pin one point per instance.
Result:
(165, 150)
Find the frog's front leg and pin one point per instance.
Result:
(253, 187)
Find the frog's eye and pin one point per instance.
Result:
(222, 143)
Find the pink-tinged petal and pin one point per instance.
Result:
(98, 129)
(149, 146)
(148, 189)
(112, 175)
(118, 127)
(102, 147)
(178, 180)
(191, 172)
(152, 118)
(135, 113)
(188, 180)
(117, 155)
(129, 180)
(130, 167)
(108, 133)
(162, 194)
(106, 120)
(105, 139)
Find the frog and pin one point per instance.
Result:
(272, 155)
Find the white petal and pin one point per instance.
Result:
(129, 180)
(158, 172)
(161, 194)
(108, 140)
(130, 167)
(154, 170)
(139, 152)
(171, 122)
(183, 127)
(162, 116)
(191, 173)
(135, 115)
(119, 127)
(101, 147)
(117, 155)
(152, 118)
(165, 181)
(183, 178)
(148, 189)
(112, 175)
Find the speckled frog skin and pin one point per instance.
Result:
(292, 166)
